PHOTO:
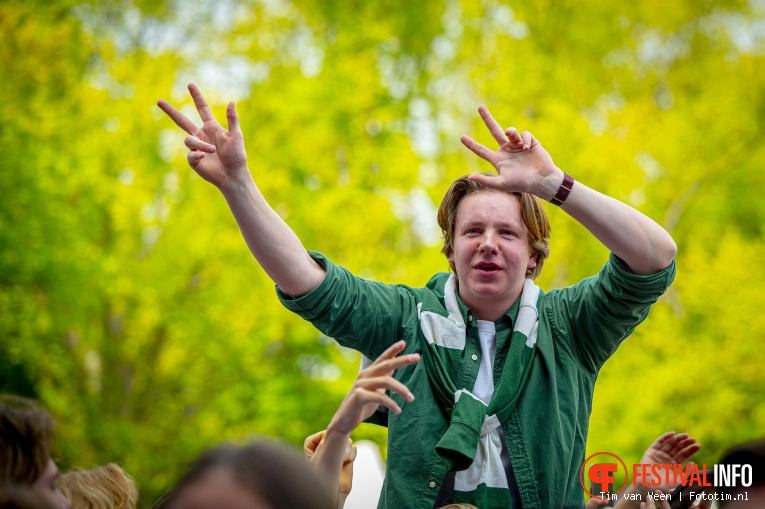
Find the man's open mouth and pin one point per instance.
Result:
(487, 267)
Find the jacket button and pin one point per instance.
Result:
(432, 484)
(474, 357)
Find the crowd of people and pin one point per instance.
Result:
(272, 475)
(484, 381)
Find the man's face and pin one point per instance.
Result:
(490, 250)
(47, 486)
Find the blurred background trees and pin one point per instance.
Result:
(130, 305)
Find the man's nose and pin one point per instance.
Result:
(488, 243)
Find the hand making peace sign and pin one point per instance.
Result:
(521, 161)
(216, 154)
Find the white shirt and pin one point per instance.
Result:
(484, 383)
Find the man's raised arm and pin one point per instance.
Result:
(219, 157)
(525, 166)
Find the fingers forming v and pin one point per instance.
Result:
(494, 128)
(232, 118)
(205, 113)
(179, 118)
(478, 149)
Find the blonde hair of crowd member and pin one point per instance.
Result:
(106, 487)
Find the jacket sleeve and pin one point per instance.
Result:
(594, 316)
(363, 315)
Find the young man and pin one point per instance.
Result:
(26, 432)
(504, 389)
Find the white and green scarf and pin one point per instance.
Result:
(469, 441)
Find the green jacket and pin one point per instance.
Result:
(579, 328)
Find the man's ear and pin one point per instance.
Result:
(532, 261)
(451, 256)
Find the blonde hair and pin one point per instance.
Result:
(532, 213)
(459, 506)
(106, 487)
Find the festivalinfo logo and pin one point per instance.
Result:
(602, 469)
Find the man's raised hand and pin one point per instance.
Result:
(216, 154)
(522, 163)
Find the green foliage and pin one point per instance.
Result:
(131, 306)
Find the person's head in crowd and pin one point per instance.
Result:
(459, 506)
(14, 496)
(260, 475)
(493, 240)
(532, 214)
(26, 435)
(105, 487)
(752, 453)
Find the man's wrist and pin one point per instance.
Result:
(549, 185)
(563, 191)
(240, 181)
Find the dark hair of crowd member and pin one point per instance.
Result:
(26, 432)
(270, 471)
(752, 453)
